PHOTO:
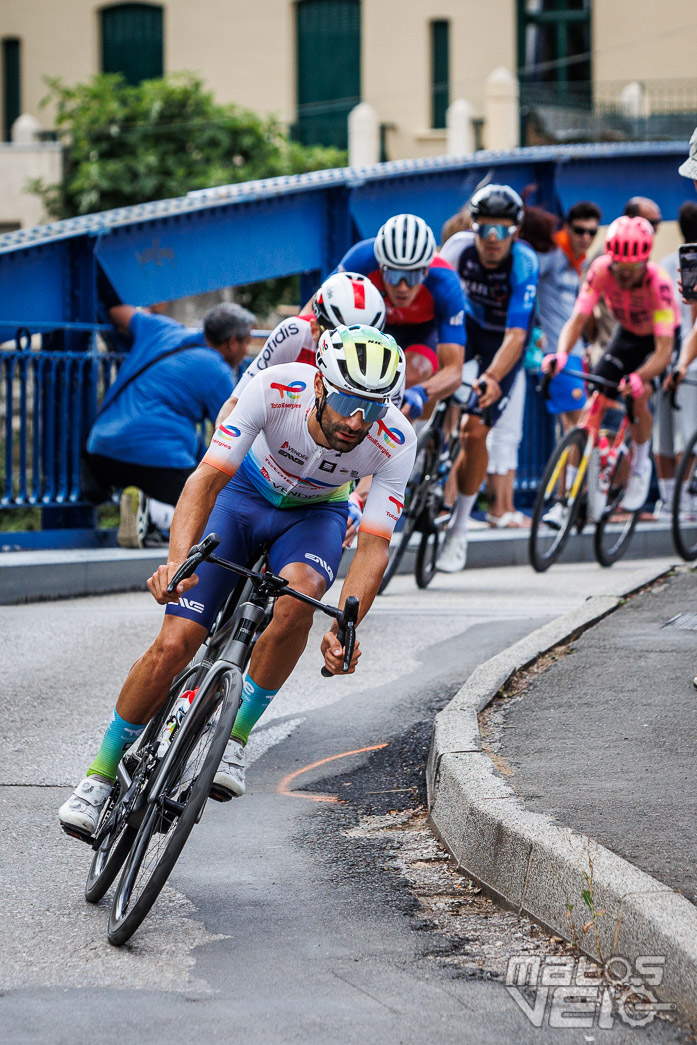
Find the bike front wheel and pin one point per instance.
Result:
(558, 501)
(170, 817)
(685, 504)
(614, 530)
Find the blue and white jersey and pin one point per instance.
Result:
(500, 298)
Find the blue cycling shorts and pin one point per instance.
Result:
(245, 521)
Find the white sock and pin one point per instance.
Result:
(640, 455)
(666, 488)
(463, 508)
(161, 514)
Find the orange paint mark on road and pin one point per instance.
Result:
(284, 786)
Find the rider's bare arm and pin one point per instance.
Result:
(571, 332)
(190, 516)
(509, 352)
(226, 409)
(448, 376)
(659, 358)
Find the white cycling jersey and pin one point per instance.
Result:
(266, 436)
(290, 342)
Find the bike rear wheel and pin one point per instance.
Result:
(169, 819)
(614, 530)
(554, 513)
(685, 504)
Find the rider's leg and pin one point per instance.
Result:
(145, 690)
(279, 647)
(640, 430)
(306, 549)
(470, 469)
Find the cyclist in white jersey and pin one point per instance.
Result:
(278, 471)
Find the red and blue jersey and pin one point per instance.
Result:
(439, 299)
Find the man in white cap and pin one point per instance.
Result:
(688, 169)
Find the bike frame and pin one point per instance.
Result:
(590, 422)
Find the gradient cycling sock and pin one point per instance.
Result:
(255, 700)
(119, 736)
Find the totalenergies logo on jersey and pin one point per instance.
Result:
(229, 431)
(399, 508)
(391, 436)
(291, 391)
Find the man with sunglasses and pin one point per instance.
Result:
(499, 279)
(423, 302)
(278, 473)
(558, 285)
(641, 298)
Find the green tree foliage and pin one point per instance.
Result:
(161, 139)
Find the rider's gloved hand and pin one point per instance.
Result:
(632, 384)
(554, 362)
(415, 398)
(355, 508)
(355, 513)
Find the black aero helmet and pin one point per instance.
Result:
(497, 201)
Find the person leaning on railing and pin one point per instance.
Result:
(144, 439)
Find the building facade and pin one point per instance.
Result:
(587, 69)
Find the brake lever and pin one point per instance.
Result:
(197, 554)
(346, 634)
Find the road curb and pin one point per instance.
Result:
(529, 862)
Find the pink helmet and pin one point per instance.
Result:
(629, 239)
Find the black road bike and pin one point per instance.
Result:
(425, 510)
(164, 782)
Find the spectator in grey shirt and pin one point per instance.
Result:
(561, 255)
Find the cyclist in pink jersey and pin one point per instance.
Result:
(640, 296)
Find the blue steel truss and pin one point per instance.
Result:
(57, 280)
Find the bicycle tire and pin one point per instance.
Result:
(211, 728)
(684, 535)
(109, 857)
(607, 550)
(545, 547)
(427, 556)
(414, 500)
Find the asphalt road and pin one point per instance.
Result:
(286, 919)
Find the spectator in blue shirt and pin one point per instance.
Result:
(144, 439)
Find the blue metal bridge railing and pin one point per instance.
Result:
(57, 282)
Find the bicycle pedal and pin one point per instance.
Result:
(74, 832)
(218, 795)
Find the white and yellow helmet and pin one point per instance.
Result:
(361, 360)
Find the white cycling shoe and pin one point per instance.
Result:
(454, 555)
(228, 782)
(637, 489)
(556, 516)
(79, 816)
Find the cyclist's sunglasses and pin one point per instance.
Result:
(485, 228)
(627, 266)
(412, 277)
(347, 405)
(581, 230)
